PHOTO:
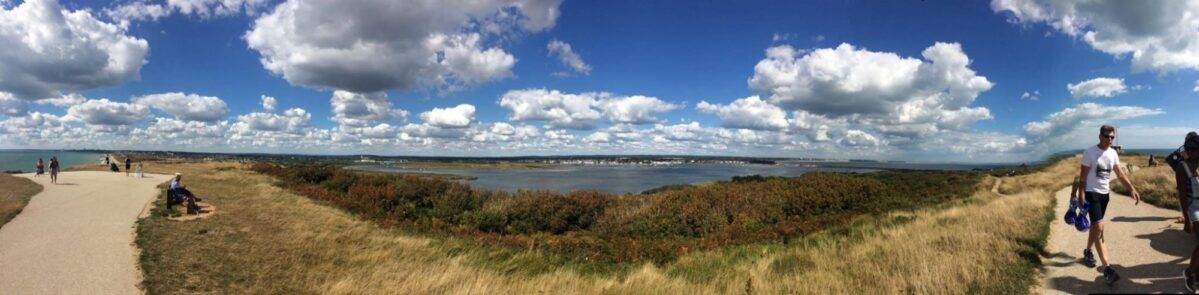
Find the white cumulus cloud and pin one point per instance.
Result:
(361, 109)
(634, 109)
(48, 50)
(11, 106)
(1085, 115)
(206, 8)
(1160, 35)
(568, 57)
(879, 91)
(1098, 87)
(187, 107)
(137, 11)
(562, 110)
(103, 112)
(295, 120)
(503, 132)
(269, 103)
(1034, 96)
(456, 117)
(749, 113)
(146, 10)
(63, 101)
(859, 138)
(375, 45)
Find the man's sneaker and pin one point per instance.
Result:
(1189, 280)
(1109, 275)
(1088, 259)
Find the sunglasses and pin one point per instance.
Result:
(1108, 136)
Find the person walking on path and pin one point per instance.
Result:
(127, 165)
(1175, 161)
(41, 168)
(139, 170)
(54, 170)
(1098, 163)
(1184, 162)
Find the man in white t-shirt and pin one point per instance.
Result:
(1099, 162)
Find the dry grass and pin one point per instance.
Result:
(1155, 184)
(15, 195)
(267, 240)
(1056, 176)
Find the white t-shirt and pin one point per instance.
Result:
(1103, 164)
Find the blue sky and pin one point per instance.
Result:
(845, 79)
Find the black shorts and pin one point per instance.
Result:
(1098, 206)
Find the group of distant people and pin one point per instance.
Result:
(41, 169)
(112, 164)
(108, 161)
(177, 193)
(1091, 189)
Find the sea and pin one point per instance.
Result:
(639, 178)
(26, 160)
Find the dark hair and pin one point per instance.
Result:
(1106, 128)
(1191, 143)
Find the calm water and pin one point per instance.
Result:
(614, 178)
(27, 160)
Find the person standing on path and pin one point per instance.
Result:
(1184, 162)
(41, 168)
(139, 170)
(1098, 163)
(54, 170)
(127, 165)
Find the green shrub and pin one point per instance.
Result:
(487, 220)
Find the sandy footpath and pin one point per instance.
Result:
(76, 237)
(1148, 249)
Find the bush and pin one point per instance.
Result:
(311, 174)
(543, 211)
(341, 181)
(487, 220)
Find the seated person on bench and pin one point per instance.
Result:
(178, 194)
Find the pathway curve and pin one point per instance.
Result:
(1148, 249)
(76, 237)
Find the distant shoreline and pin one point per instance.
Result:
(259, 155)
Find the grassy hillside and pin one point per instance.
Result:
(265, 239)
(1155, 184)
(608, 228)
(15, 195)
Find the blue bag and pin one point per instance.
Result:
(1071, 213)
(1081, 222)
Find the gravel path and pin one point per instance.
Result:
(76, 237)
(1148, 249)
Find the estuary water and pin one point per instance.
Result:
(635, 179)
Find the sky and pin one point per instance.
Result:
(923, 81)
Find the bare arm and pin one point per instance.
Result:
(1076, 191)
(1124, 179)
(1081, 185)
